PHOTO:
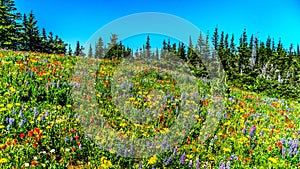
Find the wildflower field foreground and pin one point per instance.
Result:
(39, 127)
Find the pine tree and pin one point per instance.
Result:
(90, 54)
(31, 34)
(215, 39)
(148, 47)
(77, 50)
(113, 40)
(70, 52)
(9, 27)
(45, 42)
(164, 50)
(99, 49)
(156, 54)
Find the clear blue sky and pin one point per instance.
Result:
(80, 19)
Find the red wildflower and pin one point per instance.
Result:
(197, 138)
(76, 137)
(250, 152)
(22, 135)
(33, 163)
(15, 141)
(30, 133)
(73, 149)
(36, 130)
(35, 145)
(3, 147)
(8, 143)
(269, 148)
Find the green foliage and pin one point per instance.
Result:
(25, 36)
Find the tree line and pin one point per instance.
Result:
(255, 65)
(20, 32)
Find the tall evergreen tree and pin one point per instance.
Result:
(9, 27)
(77, 49)
(70, 52)
(148, 47)
(215, 39)
(90, 54)
(31, 34)
(99, 49)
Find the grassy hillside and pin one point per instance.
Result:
(40, 120)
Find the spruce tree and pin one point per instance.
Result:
(77, 49)
(99, 51)
(90, 54)
(9, 27)
(70, 52)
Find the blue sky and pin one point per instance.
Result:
(80, 19)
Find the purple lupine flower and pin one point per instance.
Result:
(283, 140)
(252, 132)
(140, 165)
(125, 153)
(21, 113)
(66, 139)
(148, 146)
(165, 160)
(262, 133)
(232, 157)
(71, 138)
(8, 127)
(36, 113)
(80, 147)
(197, 163)
(222, 165)
(169, 160)
(22, 122)
(175, 151)
(182, 158)
(283, 152)
(244, 131)
(43, 118)
(190, 163)
(47, 113)
(131, 149)
(228, 165)
(23, 106)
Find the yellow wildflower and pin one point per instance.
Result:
(189, 156)
(59, 107)
(3, 109)
(152, 160)
(226, 149)
(123, 124)
(2, 127)
(9, 105)
(273, 160)
(3, 160)
(12, 89)
(18, 104)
